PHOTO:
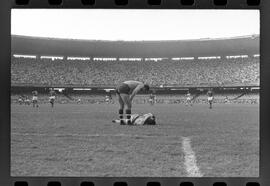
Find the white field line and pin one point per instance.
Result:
(190, 159)
(88, 135)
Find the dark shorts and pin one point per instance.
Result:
(123, 89)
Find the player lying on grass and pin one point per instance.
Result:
(125, 92)
(136, 119)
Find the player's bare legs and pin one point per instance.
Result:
(121, 109)
(127, 101)
(52, 102)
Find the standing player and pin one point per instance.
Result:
(27, 100)
(110, 97)
(20, 100)
(226, 100)
(125, 92)
(152, 99)
(210, 98)
(107, 99)
(78, 101)
(188, 99)
(52, 97)
(35, 98)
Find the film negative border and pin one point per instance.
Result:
(133, 4)
(6, 180)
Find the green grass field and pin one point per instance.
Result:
(81, 140)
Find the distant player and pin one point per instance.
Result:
(27, 100)
(20, 100)
(79, 101)
(210, 98)
(189, 98)
(35, 98)
(52, 97)
(226, 100)
(125, 92)
(152, 99)
(107, 99)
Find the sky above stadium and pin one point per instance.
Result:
(131, 25)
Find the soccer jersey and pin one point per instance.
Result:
(35, 94)
(127, 87)
(52, 97)
(210, 96)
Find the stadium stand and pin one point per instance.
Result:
(80, 64)
(212, 72)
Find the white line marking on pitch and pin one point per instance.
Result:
(190, 159)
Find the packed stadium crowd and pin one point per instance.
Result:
(214, 72)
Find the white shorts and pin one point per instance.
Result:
(52, 97)
(188, 99)
(34, 98)
(210, 98)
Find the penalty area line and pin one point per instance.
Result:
(190, 159)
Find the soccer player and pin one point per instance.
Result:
(125, 92)
(152, 99)
(226, 99)
(79, 101)
(140, 119)
(20, 100)
(52, 97)
(188, 99)
(35, 98)
(27, 100)
(107, 99)
(210, 98)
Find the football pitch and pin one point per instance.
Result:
(81, 140)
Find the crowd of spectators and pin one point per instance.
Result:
(212, 72)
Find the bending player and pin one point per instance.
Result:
(52, 97)
(125, 92)
(35, 98)
(210, 98)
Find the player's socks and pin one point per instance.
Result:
(128, 113)
(121, 112)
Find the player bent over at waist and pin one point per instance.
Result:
(125, 92)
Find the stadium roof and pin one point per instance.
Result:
(95, 48)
